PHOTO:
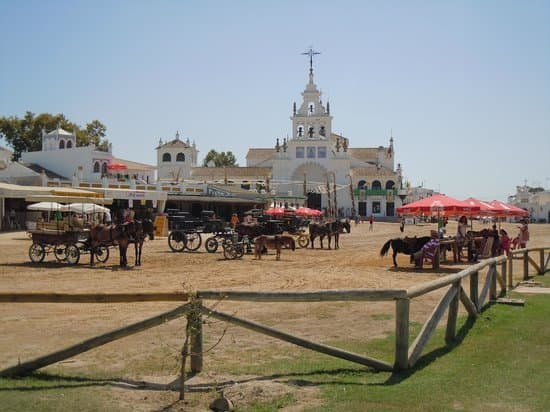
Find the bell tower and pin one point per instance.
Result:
(312, 120)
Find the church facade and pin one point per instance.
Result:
(323, 166)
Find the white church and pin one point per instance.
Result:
(320, 166)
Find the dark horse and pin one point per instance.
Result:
(329, 229)
(276, 242)
(137, 231)
(407, 245)
(255, 230)
(122, 235)
(102, 235)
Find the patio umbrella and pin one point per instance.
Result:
(87, 208)
(48, 207)
(275, 211)
(117, 166)
(485, 208)
(306, 211)
(439, 205)
(506, 210)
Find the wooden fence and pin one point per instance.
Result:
(498, 279)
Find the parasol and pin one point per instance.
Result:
(505, 210)
(440, 205)
(485, 208)
(275, 211)
(117, 166)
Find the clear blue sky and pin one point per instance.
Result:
(464, 85)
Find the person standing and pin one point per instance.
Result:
(505, 242)
(371, 221)
(234, 220)
(523, 236)
(402, 225)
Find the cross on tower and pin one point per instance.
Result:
(310, 53)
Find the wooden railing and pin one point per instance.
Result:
(498, 279)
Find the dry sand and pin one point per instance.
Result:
(30, 330)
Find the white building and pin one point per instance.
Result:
(315, 162)
(175, 159)
(536, 203)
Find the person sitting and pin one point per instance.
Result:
(76, 222)
(248, 219)
(428, 251)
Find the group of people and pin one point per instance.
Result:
(503, 245)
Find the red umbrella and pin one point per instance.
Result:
(504, 209)
(275, 211)
(306, 211)
(117, 166)
(440, 205)
(485, 208)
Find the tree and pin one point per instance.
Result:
(25, 134)
(220, 159)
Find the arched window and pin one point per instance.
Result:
(376, 185)
(362, 184)
(62, 144)
(300, 131)
(69, 144)
(390, 184)
(166, 157)
(96, 167)
(180, 157)
(104, 168)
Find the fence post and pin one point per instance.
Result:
(493, 288)
(541, 260)
(510, 271)
(503, 267)
(402, 333)
(195, 319)
(452, 315)
(525, 265)
(474, 295)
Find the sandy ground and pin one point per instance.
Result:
(151, 357)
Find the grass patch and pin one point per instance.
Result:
(382, 316)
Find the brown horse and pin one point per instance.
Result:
(137, 231)
(330, 229)
(276, 242)
(107, 236)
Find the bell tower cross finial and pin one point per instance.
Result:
(311, 53)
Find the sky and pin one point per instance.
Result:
(463, 86)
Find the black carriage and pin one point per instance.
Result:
(185, 230)
(66, 246)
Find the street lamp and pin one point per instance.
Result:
(329, 206)
(353, 211)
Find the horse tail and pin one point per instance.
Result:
(292, 244)
(385, 248)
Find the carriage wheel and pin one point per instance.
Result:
(176, 241)
(101, 253)
(211, 244)
(194, 241)
(229, 251)
(303, 241)
(36, 253)
(239, 248)
(73, 254)
(59, 252)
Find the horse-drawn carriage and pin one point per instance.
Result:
(67, 246)
(68, 230)
(185, 230)
(59, 230)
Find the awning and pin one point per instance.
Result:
(116, 166)
(68, 199)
